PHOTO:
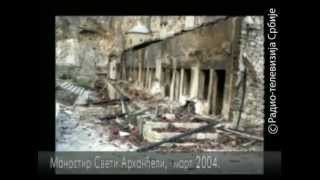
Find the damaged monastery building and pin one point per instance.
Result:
(215, 62)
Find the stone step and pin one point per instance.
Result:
(81, 91)
(63, 84)
(67, 86)
(78, 90)
(71, 88)
(75, 89)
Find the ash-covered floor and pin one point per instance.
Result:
(76, 134)
(99, 125)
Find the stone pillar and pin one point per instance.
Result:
(147, 78)
(195, 81)
(172, 86)
(144, 77)
(140, 73)
(226, 95)
(177, 85)
(158, 70)
(201, 84)
(181, 83)
(136, 75)
(150, 78)
(210, 91)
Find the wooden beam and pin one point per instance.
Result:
(242, 134)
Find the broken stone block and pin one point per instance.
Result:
(151, 136)
(168, 116)
(188, 125)
(156, 88)
(151, 125)
(150, 133)
(122, 133)
(199, 107)
(166, 135)
(200, 136)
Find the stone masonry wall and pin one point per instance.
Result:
(252, 59)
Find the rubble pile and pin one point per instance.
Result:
(122, 124)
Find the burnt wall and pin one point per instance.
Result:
(187, 64)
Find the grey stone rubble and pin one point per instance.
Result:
(73, 134)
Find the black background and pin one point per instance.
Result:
(48, 11)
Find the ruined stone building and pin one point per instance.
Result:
(215, 61)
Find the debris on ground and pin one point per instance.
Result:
(124, 124)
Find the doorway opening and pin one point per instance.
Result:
(221, 74)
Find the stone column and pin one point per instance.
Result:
(140, 73)
(226, 95)
(150, 78)
(177, 85)
(181, 83)
(210, 91)
(172, 86)
(158, 70)
(195, 81)
(146, 78)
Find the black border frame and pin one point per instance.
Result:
(46, 141)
